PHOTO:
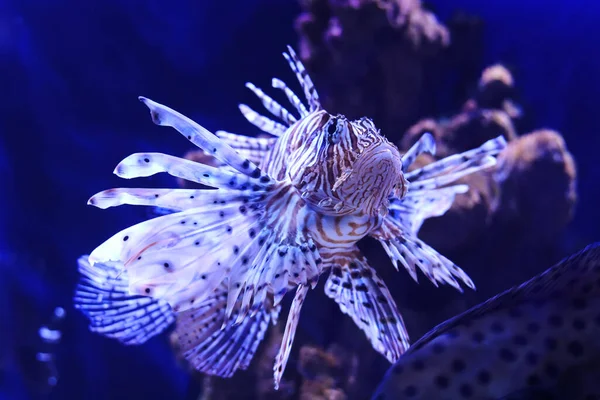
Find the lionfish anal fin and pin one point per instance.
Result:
(362, 295)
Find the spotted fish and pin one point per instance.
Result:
(286, 209)
(538, 340)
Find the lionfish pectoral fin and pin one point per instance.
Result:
(412, 210)
(456, 166)
(216, 350)
(102, 294)
(362, 295)
(254, 149)
(182, 257)
(407, 250)
(203, 138)
(289, 333)
(425, 144)
(429, 196)
(279, 255)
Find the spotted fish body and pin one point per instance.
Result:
(288, 208)
(537, 340)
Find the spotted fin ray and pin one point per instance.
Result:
(273, 106)
(413, 254)
(454, 167)
(253, 148)
(411, 211)
(291, 96)
(182, 257)
(201, 137)
(261, 122)
(279, 256)
(362, 295)
(304, 79)
(228, 232)
(429, 196)
(162, 255)
(271, 126)
(214, 350)
(288, 334)
(102, 295)
(242, 142)
(424, 145)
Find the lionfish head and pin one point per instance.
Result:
(354, 168)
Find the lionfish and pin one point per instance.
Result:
(538, 340)
(280, 211)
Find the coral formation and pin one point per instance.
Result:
(327, 375)
(387, 49)
(530, 196)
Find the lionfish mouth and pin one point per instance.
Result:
(381, 170)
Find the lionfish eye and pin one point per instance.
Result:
(332, 126)
(332, 130)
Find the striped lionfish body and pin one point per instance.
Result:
(287, 209)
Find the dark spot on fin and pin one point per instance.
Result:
(155, 117)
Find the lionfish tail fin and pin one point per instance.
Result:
(102, 295)
(362, 295)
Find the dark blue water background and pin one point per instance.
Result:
(70, 74)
